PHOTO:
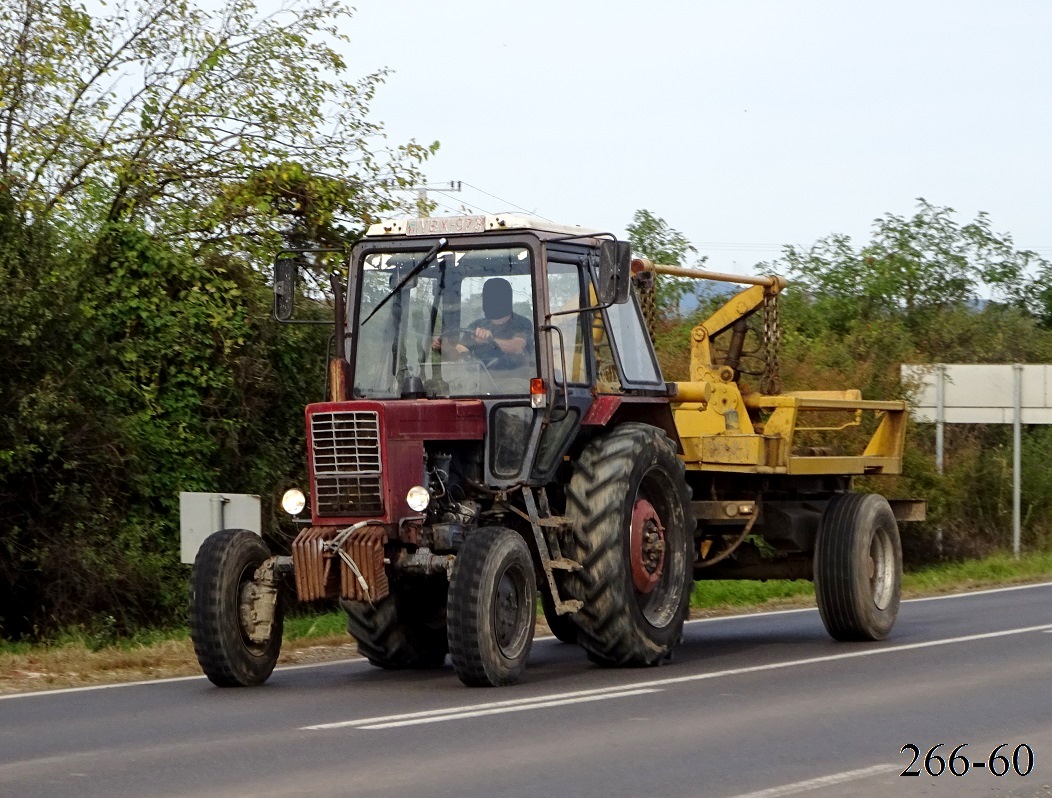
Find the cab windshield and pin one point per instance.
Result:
(462, 326)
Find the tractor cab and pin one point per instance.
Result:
(523, 319)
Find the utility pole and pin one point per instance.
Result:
(421, 193)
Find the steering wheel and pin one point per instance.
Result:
(452, 336)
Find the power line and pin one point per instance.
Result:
(457, 186)
(447, 207)
(506, 202)
(421, 192)
(464, 202)
(732, 246)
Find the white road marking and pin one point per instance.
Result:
(942, 597)
(427, 713)
(90, 687)
(143, 682)
(969, 594)
(866, 652)
(816, 784)
(361, 660)
(502, 710)
(615, 691)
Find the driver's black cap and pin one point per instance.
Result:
(496, 298)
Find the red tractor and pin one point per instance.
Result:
(498, 430)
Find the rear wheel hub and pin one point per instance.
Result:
(647, 545)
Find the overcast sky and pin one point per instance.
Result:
(746, 125)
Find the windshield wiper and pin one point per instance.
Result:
(430, 256)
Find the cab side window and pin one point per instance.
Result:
(632, 341)
(565, 293)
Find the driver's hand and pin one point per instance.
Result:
(436, 344)
(482, 335)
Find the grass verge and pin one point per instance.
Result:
(78, 658)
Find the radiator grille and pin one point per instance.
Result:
(347, 464)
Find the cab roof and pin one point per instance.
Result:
(471, 225)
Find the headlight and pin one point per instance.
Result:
(418, 498)
(293, 501)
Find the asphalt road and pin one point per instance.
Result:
(760, 706)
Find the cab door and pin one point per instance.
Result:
(565, 291)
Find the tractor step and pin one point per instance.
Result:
(559, 523)
(564, 564)
(568, 606)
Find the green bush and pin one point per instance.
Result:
(148, 372)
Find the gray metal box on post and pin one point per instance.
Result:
(201, 514)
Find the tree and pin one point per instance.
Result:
(204, 125)
(916, 265)
(152, 160)
(653, 238)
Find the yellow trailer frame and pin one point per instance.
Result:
(722, 428)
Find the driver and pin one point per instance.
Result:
(502, 338)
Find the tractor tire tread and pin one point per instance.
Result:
(212, 628)
(469, 651)
(596, 498)
(391, 635)
(843, 600)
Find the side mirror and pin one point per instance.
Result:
(614, 280)
(285, 270)
(316, 264)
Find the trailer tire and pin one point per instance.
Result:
(632, 467)
(858, 567)
(224, 566)
(492, 608)
(404, 630)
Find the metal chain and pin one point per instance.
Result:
(646, 290)
(772, 335)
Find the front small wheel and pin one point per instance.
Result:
(492, 608)
(233, 648)
(858, 567)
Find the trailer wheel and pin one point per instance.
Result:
(492, 608)
(562, 626)
(633, 532)
(406, 629)
(858, 567)
(221, 584)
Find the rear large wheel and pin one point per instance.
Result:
(406, 629)
(232, 649)
(492, 608)
(858, 567)
(633, 534)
